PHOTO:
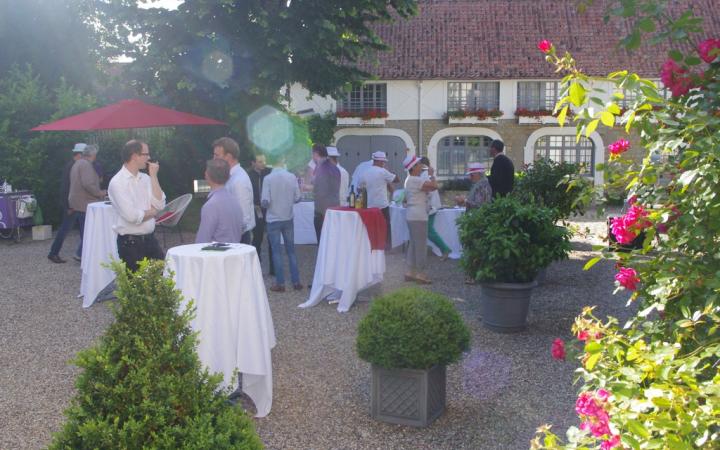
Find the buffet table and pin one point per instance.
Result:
(233, 317)
(303, 223)
(445, 225)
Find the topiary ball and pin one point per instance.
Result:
(412, 328)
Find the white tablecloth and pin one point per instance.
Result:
(303, 223)
(445, 225)
(233, 316)
(345, 262)
(99, 247)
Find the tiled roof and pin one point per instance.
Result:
(496, 39)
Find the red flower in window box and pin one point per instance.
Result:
(481, 114)
(366, 114)
(533, 112)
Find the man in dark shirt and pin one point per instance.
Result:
(257, 175)
(502, 172)
(326, 186)
(69, 218)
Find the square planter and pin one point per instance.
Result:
(472, 120)
(525, 120)
(407, 396)
(359, 121)
(41, 232)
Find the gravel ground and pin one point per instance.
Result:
(497, 396)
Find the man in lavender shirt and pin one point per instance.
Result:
(220, 218)
(326, 186)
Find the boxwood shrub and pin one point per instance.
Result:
(142, 385)
(412, 328)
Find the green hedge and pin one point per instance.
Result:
(412, 328)
(142, 385)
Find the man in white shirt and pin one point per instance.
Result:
(280, 192)
(137, 198)
(239, 184)
(333, 155)
(378, 182)
(359, 170)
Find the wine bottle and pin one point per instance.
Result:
(351, 197)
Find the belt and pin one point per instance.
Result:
(131, 239)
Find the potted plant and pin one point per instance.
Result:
(505, 244)
(409, 336)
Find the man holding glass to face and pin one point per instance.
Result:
(137, 198)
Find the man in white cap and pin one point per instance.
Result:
(378, 182)
(69, 218)
(480, 192)
(333, 155)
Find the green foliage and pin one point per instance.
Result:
(661, 367)
(509, 241)
(322, 128)
(412, 328)
(142, 385)
(559, 186)
(31, 160)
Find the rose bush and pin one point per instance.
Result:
(655, 381)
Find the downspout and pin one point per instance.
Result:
(420, 123)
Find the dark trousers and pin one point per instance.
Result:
(134, 248)
(386, 213)
(318, 221)
(246, 238)
(71, 218)
(257, 233)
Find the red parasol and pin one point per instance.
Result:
(126, 114)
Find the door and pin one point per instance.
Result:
(356, 149)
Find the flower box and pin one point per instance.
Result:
(471, 120)
(537, 120)
(359, 121)
(407, 396)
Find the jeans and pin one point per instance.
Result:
(274, 230)
(69, 221)
(257, 237)
(134, 248)
(318, 220)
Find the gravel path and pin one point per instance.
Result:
(497, 396)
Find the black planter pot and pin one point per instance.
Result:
(505, 305)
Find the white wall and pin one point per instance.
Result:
(301, 100)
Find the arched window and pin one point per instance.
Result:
(563, 148)
(455, 152)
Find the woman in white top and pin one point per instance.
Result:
(416, 198)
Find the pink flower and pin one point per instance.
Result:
(607, 444)
(635, 217)
(676, 78)
(558, 349)
(619, 146)
(621, 230)
(602, 395)
(583, 335)
(545, 46)
(627, 277)
(709, 49)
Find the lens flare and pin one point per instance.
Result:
(270, 130)
(217, 66)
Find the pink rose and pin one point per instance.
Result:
(558, 349)
(619, 146)
(675, 78)
(602, 394)
(607, 444)
(545, 46)
(627, 277)
(709, 49)
(583, 335)
(621, 230)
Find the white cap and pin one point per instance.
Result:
(379, 156)
(333, 151)
(475, 167)
(410, 161)
(79, 148)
